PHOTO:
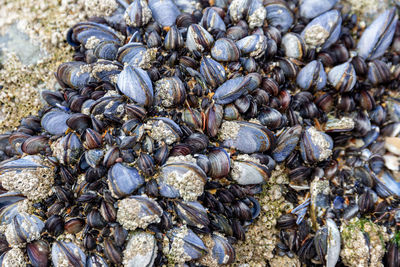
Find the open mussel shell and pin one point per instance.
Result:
(311, 8)
(225, 50)
(312, 76)
(192, 213)
(315, 145)
(38, 252)
(286, 143)
(144, 256)
(323, 30)
(170, 91)
(279, 14)
(136, 84)
(176, 178)
(193, 247)
(23, 228)
(124, 180)
(137, 13)
(63, 252)
(164, 12)
(377, 37)
(247, 137)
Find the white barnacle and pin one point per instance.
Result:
(319, 139)
(34, 183)
(14, 257)
(229, 130)
(189, 185)
(141, 250)
(131, 214)
(316, 35)
(159, 131)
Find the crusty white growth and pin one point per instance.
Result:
(100, 8)
(188, 158)
(177, 252)
(189, 185)
(246, 157)
(92, 42)
(316, 35)
(257, 18)
(27, 225)
(131, 214)
(144, 58)
(35, 184)
(164, 89)
(228, 130)
(319, 140)
(146, 15)
(14, 257)
(160, 131)
(344, 123)
(237, 8)
(141, 250)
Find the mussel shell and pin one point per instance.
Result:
(136, 84)
(323, 30)
(193, 246)
(377, 37)
(67, 252)
(124, 180)
(222, 251)
(198, 39)
(312, 76)
(343, 77)
(138, 14)
(315, 145)
(294, 45)
(146, 255)
(164, 12)
(38, 253)
(253, 45)
(279, 14)
(286, 143)
(54, 122)
(193, 213)
(251, 138)
(312, 8)
(249, 173)
(220, 162)
(213, 72)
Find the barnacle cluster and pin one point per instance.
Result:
(181, 127)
